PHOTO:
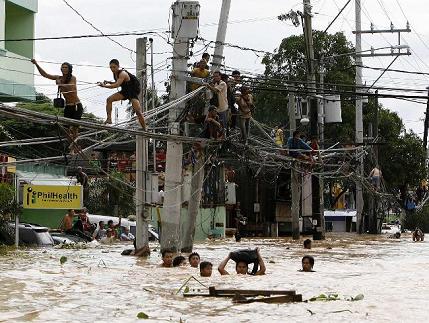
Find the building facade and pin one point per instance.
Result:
(17, 20)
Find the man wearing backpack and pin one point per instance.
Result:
(130, 89)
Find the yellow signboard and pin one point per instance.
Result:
(12, 168)
(52, 197)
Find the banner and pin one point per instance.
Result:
(52, 197)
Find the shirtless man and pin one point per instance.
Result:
(130, 89)
(67, 223)
(241, 267)
(67, 87)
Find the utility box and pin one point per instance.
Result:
(185, 19)
(230, 196)
(151, 189)
(333, 109)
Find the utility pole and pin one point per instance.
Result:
(426, 127)
(185, 27)
(295, 176)
(221, 35)
(318, 217)
(358, 82)
(198, 172)
(142, 234)
(359, 117)
(152, 76)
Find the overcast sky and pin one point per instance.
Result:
(253, 23)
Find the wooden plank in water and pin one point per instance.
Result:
(247, 292)
(271, 300)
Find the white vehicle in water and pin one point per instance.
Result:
(393, 230)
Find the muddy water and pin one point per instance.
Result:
(100, 285)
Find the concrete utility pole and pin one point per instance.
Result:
(426, 126)
(152, 86)
(295, 177)
(221, 35)
(318, 217)
(185, 26)
(198, 173)
(359, 118)
(142, 233)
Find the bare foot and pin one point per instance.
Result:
(108, 121)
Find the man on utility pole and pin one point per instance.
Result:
(317, 199)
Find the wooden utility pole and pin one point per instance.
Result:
(142, 233)
(295, 176)
(318, 216)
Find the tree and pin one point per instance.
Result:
(107, 192)
(16, 129)
(288, 64)
(8, 209)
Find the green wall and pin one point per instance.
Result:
(209, 221)
(19, 24)
(48, 218)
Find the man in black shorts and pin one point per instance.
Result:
(130, 89)
(67, 87)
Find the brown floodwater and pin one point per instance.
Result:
(100, 285)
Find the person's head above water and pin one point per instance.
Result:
(194, 259)
(307, 244)
(307, 263)
(206, 268)
(179, 261)
(242, 268)
(167, 258)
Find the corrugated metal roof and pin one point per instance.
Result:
(45, 179)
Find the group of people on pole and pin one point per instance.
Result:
(73, 109)
(231, 104)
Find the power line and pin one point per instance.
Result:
(97, 29)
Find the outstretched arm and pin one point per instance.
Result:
(262, 268)
(222, 266)
(43, 73)
(114, 85)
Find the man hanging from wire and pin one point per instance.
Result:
(67, 87)
(130, 90)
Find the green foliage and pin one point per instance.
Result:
(289, 63)
(63, 260)
(106, 192)
(15, 129)
(8, 205)
(142, 315)
(402, 160)
(335, 297)
(8, 209)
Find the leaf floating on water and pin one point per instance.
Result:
(142, 316)
(358, 297)
(186, 289)
(63, 259)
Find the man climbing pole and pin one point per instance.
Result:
(72, 107)
(130, 89)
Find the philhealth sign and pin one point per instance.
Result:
(52, 197)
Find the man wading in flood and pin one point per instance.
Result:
(130, 89)
(67, 87)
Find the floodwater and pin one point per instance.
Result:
(100, 285)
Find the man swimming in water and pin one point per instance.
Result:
(241, 267)
(167, 258)
(130, 89)
(194, 259)
(67, 87)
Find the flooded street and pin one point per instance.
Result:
(100, 285)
